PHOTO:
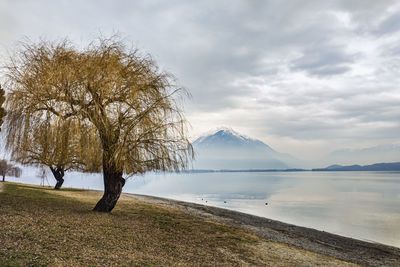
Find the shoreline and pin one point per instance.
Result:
(42, 222)
(336, 246)
(324, 243)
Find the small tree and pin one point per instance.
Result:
(48, 143)
(9, 169)
(126, 106)
(2, 110)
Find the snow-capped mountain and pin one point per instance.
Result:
(228, 138)
(225, 148)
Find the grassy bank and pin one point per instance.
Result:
(41, 226)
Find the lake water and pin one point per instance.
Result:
(362, 205)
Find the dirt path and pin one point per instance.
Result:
(343, 248)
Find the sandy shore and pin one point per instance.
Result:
(339, 247)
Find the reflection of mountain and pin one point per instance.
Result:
(395, 166)
(227, 149)
(383, 153)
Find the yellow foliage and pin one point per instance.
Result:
(103, 105)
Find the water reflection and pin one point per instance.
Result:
(363, 205)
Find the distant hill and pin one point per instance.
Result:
(394, 166)
(365, 156)
(227, 149)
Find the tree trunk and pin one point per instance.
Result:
(4, 178)
(113, 183)
(59, 175)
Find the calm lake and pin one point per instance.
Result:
(362, 205)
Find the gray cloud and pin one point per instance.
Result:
(318, 60)
(280, 70)
(390, 25)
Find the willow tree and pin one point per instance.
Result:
(47, 142)
(128, 106)
(36, 136)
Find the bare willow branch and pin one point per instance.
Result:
(99, 108)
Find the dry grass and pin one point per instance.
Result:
(41, 226)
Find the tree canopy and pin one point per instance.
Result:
(103, 107)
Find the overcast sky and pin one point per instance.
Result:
(305, 77)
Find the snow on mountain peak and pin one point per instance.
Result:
(223, 131)
(227, 137)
